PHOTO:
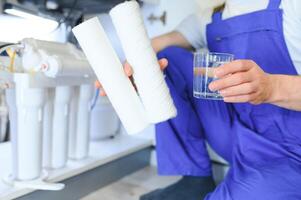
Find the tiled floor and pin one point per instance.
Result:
(132, 186)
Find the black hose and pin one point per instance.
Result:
(5, 45)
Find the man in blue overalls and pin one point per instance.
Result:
(258, 127)
(262, 142)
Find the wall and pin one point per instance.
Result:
(173, 16)
(206, 4)
(176, 10)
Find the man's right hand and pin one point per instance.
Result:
(129, 72)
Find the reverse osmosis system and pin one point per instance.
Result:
(49, 88)
(54, 59)
(49, 94)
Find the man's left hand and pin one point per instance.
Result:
(242, 81)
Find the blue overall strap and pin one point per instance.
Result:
(274, 4)
(217, 16)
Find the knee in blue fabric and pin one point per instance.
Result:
(181, 148)
(279, 179)
(180, 69)
(178, 77)
(171, 51)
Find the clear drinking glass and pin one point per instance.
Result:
(204, 63)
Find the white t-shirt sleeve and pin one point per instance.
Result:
(297, 5)
(191, 29)
(292, 30)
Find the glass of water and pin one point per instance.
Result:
(204, 63)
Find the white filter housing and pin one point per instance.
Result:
(83, 121)
(47, 127)
(3, 116)
(73, 122)
(80, 114)
(60, 127)
(27, 138)
(10, 95)
(54, 59)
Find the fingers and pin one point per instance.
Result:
(163, 63)
(243, 89)
(233, 67)
(241, 98)
(129, 72)
(102, 93)
(229, 81)
(128, 69)
(241, 81)
(97, 84)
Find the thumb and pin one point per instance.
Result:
(163, 63)
(128, 69)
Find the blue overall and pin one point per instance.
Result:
(262, 143)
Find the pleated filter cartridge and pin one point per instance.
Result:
(154, 103)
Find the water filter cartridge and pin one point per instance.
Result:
(60, 126)
(3, 116)
(29, 102)
(79, 122)
(109, 70)
(72, 123)
(10, 95)
(149, 78)
(47, 128)
(83, 121)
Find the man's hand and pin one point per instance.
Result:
(129, 72)
(242, 81)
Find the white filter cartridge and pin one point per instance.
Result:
(47, 128)
(79, 120)
(28, 142)
(72, 123)
(149, 78)
(10, 95)
(60, 127)
(83, 121)
(109, 70)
